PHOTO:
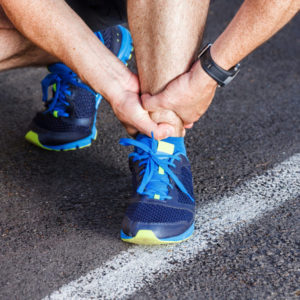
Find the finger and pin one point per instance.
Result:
(189, 126)
(146, 126)
(145, 96)
(160, 104)
(131, 130)
(164, 131)
(152, 103)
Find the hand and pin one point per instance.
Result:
(128, 109)
(189, 96)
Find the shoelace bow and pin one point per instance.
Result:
(152, 182)
(62, 80)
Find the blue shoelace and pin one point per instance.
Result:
(61, 79)
(153, 182)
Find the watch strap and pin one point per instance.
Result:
(221, 76)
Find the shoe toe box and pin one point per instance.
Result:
(163, 221)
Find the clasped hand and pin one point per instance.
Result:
(189, 96)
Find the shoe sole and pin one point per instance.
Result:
(125, 55)
(148, 237)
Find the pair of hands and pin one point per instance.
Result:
(188, 95)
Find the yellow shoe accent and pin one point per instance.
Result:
(165, 147)
(96, 135)
(156, 197)
(147, 237)
(86, 146)
(55, 113)
(33, 138)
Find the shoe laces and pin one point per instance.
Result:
(61, 79)
(154, 183)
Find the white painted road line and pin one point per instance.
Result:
(130, 270)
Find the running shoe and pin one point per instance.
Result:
(162, 209)
(69, 119)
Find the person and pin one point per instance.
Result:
(172, 90)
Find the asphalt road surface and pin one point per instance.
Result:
(60, 213)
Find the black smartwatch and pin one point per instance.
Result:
(221, 76)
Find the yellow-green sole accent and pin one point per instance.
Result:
(130, 57)
(147, 237)
(33, 138)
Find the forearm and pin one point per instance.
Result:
(54, 27)
(255, 22)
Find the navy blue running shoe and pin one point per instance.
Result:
(69, 120)
(163, 207)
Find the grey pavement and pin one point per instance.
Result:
(60, 213)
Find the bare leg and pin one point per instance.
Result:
(16, 51)
(166, 35)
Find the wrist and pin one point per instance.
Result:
(115, 83)
(221, 57)
(200, 78)
(119, 87)
(106, 75)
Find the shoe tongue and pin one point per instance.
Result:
(170, 145)
(162, 146)
(177, 142)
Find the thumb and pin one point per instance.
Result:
(164, 131)
(145, 96)
(152, 103)
(160, 131)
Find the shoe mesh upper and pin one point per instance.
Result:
(84, 103)
(184, 174)
(163, 201)
(48, 122)
(107, 37)
(82, 106)
(151, 213)
(177, 208)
